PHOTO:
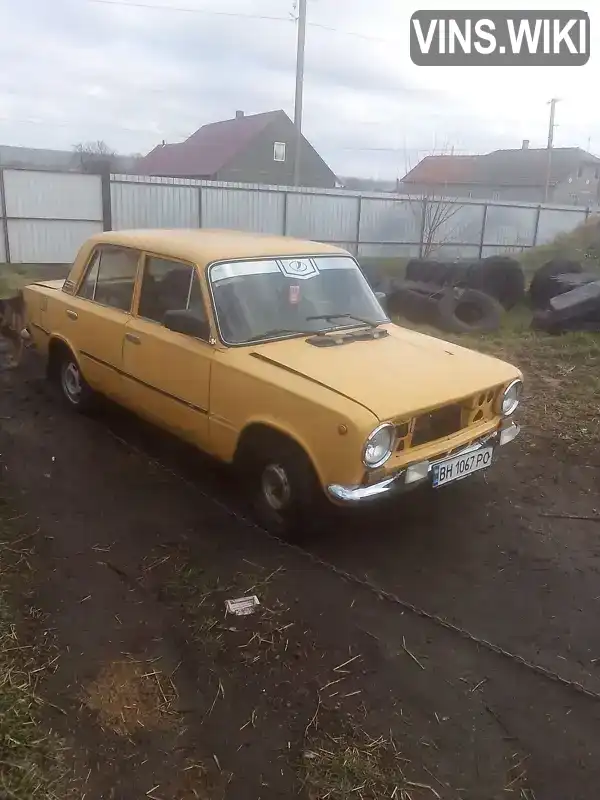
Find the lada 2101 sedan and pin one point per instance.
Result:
(275, 355)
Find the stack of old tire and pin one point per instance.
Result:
(564, 297)
(458, 296)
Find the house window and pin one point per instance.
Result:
(279, 151)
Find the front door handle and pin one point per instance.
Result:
(71, 314)
(131, 337)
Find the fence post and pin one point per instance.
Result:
(537, 225)
(285, 213)
(423, 221)
(358, 218)
(482, 238)
(4, 219)
(106, 198)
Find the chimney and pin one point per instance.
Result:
(525, 145)
(239, 114)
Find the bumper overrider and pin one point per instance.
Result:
(419, 472)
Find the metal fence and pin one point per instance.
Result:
(45, 216)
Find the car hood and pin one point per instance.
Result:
(401, 374)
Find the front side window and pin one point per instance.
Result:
(110, 277)
(271, 298)
(169, 286)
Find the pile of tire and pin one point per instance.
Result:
(565, 298)
(499, 277)
(459, 296)
(448, 308)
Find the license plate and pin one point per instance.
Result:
(453, 469)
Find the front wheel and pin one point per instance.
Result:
(283, 489)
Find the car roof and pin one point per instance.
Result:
(204, 246)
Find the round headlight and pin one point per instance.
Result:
(379, 446)
(511, 398)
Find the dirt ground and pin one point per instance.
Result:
(385, 659)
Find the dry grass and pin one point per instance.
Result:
(34, 762)
(336, 767)
(129, 695)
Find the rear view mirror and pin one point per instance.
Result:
(188, 323)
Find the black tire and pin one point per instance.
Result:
(468, 311)
(416, 302)
(281, 485)
(425, 270)
(500, 277)
(543, 288)
(65, 372)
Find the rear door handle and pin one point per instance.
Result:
(131, 337)
(71, 314)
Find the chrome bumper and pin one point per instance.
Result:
(396, 483)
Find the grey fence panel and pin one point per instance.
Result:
(324, 218)
(502, 250)
(452, 222)
(388, 250)
(510, 226)
(138, 205)
(554, 221)
(52, 195)
(244, 210)
(390, 221)
(448, 252)
(48, 241)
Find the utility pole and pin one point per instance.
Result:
(551, 127)
(299, 88)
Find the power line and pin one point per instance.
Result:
(187, 10)
(235, 14)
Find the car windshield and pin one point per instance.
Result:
(276, 297)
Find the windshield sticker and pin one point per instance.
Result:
(299, 268)
(294, 295)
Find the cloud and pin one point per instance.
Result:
(134, 76)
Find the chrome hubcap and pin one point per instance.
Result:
(276, 487)
(71, 382)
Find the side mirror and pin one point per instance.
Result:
(188, 323)
(382, 297)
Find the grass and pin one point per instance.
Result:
(33, 759)
(14, 277)
(581, 244)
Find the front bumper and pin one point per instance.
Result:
(396, 483)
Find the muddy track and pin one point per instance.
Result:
(118, 531)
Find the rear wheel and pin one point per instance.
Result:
(74, 389)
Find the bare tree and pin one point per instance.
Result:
(94, 156)
(435, 212)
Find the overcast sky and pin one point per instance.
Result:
(79, 70)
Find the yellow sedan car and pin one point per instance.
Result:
(274, 355)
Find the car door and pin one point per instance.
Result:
(168, 373)
(97, 314)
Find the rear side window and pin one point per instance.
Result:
(110, 277)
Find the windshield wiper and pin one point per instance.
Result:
(281, 332)
(330, 317)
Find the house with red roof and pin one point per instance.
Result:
(520, 174)
(258, 148)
